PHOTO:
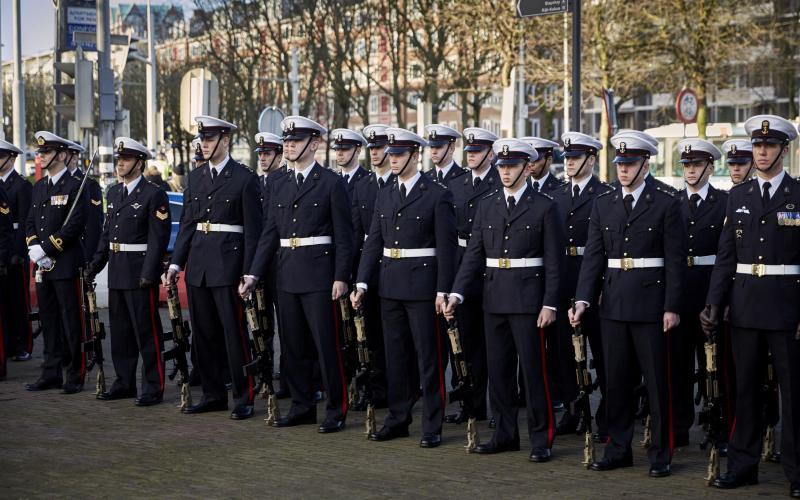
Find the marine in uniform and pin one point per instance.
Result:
(441, 141)
(517, 243)
(219, 230)
(6, 250)
(703, 211)
(468, 190)
(541, 179)
(636, 248)
(364, 196)
(309, 226)
(269, 148)
(739, 160)
(347, 146)
(54, 244)
(19, 338)
(133, 244)
(94, 212)
(412, 244)
(575, 200)
(758, 268)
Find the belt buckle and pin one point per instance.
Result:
(294, 243)
(626, 263)
(394, 253)
(690, 260)
(758, 270)
(572, 251)
(115, 247)
(206, 227)
(504, 263)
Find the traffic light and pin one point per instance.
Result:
(81, 91)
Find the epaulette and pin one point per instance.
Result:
(543, 194)
(609, 191)
(666, 191)
(490, 194)
(745, 183)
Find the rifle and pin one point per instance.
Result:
(180, 337)
(261, 366)
(349, 348)
(94, 333)
(771, 412)
(711, 416)
(364, 368)
(465, 388)
(582, 406)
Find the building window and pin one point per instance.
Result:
(384, 104)
(373, 104)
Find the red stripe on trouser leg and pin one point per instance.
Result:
(339, 361)
(543, 355)
(156, 344)
(733, 428)
(669, 396)
(245, 347)
(83, 355)
(439, 355)
(26, 295)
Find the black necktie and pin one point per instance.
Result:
(346, 178)
(765, 195)
(213, 173)
(512, 202)
(300, 179)
(536, 185)
(124, 192)
(381, 183)
(576, 192)
(628, 203)
(694, 200)
(441, 176)
(265, 180)
(402, 191)
(476, 182)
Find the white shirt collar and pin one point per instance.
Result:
(516, 194)
(132, 184)
(306, 171)
(773, 183)
(444, 170)
(351, 173)
(7, 175)
(385, 176)
(481, 176)
(703, 192)
(636, 194)
(219, 167)
(409, 184)
(54, 179)
(581, 185)
(541, 181)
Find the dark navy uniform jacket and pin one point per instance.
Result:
(94, 214)
(756, 235)
(574, 218)
(363, 205)
(455, 171)
(218, 258)
(356, 175)
(19, 192)
(465, 202)
(141, 218)
(551, 185)
(704, 229)
(425, 219)
(654, 229)
(320, 207)
(49, 208)
(6, 228)
(531, 230)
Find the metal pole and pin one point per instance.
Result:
(293, 81)
(105, 87)
(576, 65)
(2, 109)
(521, 114)
(19, 91)
(566, 73)
(151, 81)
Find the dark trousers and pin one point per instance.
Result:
(409, 326)
(744, 450)
(136, 329)
(511, 338)
(3, 336)
(473, 344)
(376, 380)
(562, 387)
(219, 327)
(623, 344)
(309, 338)
(19, 336)
(61, 319)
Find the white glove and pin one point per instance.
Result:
(45, 262)
(36, 253)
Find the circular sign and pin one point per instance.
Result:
(687, 105)
(270, 120)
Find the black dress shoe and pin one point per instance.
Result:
(540, 455)
(610, 464)
(44, 384)
(492, 423)
(283, 393)
(71, 388)
(291, 420)
(457, 418)
(430, 440)
(659, 470)
(149, 400)
(21, 356)
(242, 412)
(492, 447)
(729, 480)
(388, 433)
(794, 491)
(206, 405)
(114, 394)
(331, 425)
(319, 397)
(568, 424)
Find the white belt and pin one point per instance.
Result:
(575, 251)
(701, 260)
(402, 253)
(631, 263)
(305, 242)
(208, 227)
(127, 247)
(768, 269)
(514, 263)
(462, 242)
(16, 225)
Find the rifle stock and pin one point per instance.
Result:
(94, 333)
(180, 335)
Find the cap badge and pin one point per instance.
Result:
(291, 126)
(40, 140)
(432, 135)
(391, 138)
(261, 141)
(765, 127)
(687, 148)
(567, 142)
(371, 135)
(120, 147)
(733, 149)
(339, 138)
(622, 147)
(471, 138)
(200, 126)
(505, 150)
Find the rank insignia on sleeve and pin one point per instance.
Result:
(96, 202)
(162, 213)
(4, 210)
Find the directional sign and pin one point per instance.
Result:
(528, 8)
(80, 19)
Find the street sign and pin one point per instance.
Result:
(80, 19)
(528, 8)
(199, 96)
(686, 106)
(270, 120)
